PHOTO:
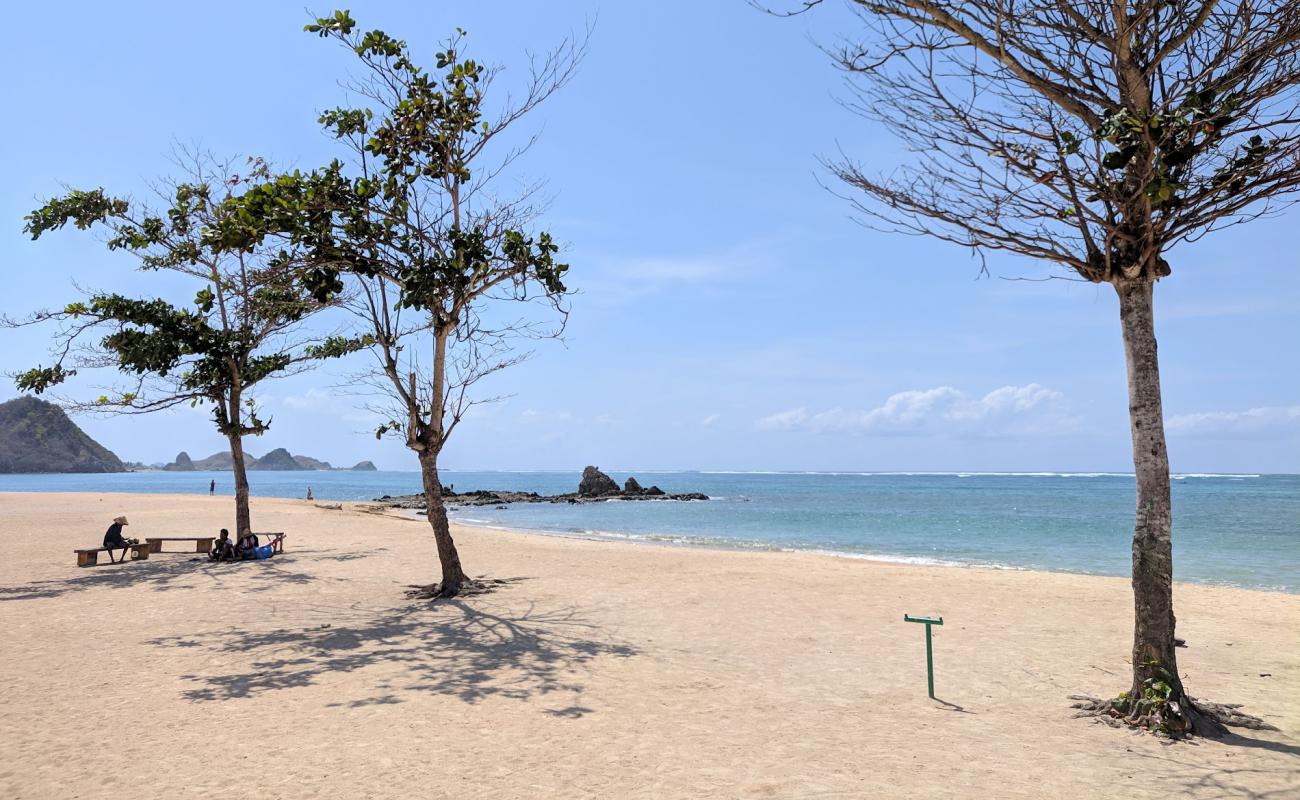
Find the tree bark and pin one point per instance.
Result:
(1154, 657)
(453, 576)
(243, 516)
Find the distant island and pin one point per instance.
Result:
(36, 436)
(278, 459)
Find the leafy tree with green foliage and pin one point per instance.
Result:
(409, 222)
(245, 324)
(1096, 135)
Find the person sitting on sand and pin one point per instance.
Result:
(223, 549)
(246, 547)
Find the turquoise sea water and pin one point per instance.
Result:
(1241, 530)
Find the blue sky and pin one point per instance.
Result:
(730, 314)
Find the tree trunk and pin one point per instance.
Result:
(1155, 664)
(453, 577)
(243, 517)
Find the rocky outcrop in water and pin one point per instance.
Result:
(278, 459)
(595, 487)
(216, 461)
(595, 483)
(183, 463)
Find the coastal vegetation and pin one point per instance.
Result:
(409, 223)
(244, 325)
(1095, 136)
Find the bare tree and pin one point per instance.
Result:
(410, 219)
(1096, 135)
(245, 324)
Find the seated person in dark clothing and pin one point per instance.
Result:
(113, 539)
(113, 536)
(223, 549)
(247, 545)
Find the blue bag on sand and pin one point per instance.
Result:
(265, 551)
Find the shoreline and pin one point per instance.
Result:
(592, 669)
(671, 541)
(682, 541)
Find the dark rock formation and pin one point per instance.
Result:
(215, 462)
(181, 464)
(36, 436)
(595, 483)
(307, 462)
(595, 487)
(277, 459)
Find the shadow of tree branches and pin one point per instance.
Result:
(171, 571)
(1198, 777)
(456, 648)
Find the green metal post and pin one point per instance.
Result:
(929, 661)
(929, 649)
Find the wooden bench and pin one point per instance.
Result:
(202, 544)
(89, 557)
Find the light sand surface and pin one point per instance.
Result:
(602, 670)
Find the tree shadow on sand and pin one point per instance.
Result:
(455, 648)
(1197, 777)
(181, 571)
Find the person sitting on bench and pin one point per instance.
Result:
(223, 549)
(247, 545)
(113, 539)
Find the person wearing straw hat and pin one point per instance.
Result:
(113, 537)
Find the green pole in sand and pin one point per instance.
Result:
(929, 651)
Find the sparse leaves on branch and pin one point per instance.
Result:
(407, 223)
(229, 339)
(1075, 133)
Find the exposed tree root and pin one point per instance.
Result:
(468, 588)
(1228, 714)
(1175, 720)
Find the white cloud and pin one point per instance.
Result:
(1253, 422)
(320, 401)
(311, 400)
(1030, 409)
(785, 420)
(709, 420)
(619, 278)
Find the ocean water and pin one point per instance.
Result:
(1240, 530)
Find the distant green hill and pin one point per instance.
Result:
(36, 436)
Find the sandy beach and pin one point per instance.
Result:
(595, 669)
